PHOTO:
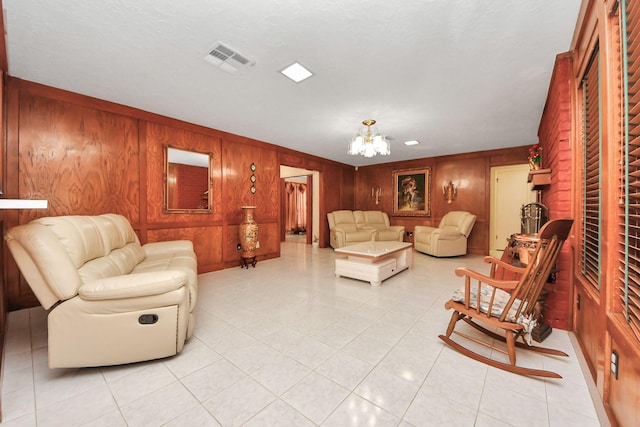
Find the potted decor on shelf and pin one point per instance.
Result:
(535, 157)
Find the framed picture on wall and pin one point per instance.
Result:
(412, 192)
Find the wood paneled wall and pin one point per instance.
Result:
(471, 172)
(88, 156)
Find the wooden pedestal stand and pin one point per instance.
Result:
(245, 261)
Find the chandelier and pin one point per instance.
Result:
(368, 143)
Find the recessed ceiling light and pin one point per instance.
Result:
(296, 72)
(412, 142)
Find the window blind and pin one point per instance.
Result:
(590, 250)
(629, 224)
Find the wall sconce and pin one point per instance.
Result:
(376, 192)
(449, 192)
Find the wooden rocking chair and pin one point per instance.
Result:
(507, 304)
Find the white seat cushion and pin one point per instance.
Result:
(499, 302)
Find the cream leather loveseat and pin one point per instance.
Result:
(109, 299)
(351, 227)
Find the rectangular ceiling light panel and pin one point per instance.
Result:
(296, 72)
(228, 59)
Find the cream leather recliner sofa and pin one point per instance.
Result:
(350, 227)
(110, 300)
(449, 239)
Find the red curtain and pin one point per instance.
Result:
(296, 207)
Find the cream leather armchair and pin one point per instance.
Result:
(449, 238)
(110, 300)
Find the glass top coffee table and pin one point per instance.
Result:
(373, 261)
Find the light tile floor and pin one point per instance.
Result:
(289, 344)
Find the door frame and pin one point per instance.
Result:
(313, 200)
(494, 212)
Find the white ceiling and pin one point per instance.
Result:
(457, 75)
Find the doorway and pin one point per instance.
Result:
(311, 190)
(296, 202)
(509, 192)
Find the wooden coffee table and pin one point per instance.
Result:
(373, 261)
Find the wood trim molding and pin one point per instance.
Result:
(4, 62)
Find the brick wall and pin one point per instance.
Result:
(554, 136)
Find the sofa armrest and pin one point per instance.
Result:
(446, 234)
(423, 229)
(133, 285)
(338, 230)
(172, 246)
(337, 237)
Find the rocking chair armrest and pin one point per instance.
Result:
(505, 265)
(507, 285)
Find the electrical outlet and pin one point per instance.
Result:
(238, 247)
(409, 233)
(614, 363)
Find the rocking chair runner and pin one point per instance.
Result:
(507, 304)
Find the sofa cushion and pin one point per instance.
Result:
(358, 217)
(359, 236)
(376, 219)
(99, 246)
(78, 235)
(123, 227)
(118, 262)
(116, 232)
(345, 220)
(460, 220)
(133, 285)
(448, 233)
(176, 258)
(44, 263)
(388, 235)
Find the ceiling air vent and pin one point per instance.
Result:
(228, 58)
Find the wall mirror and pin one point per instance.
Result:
(187, 176)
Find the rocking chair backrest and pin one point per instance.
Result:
(552, 236)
